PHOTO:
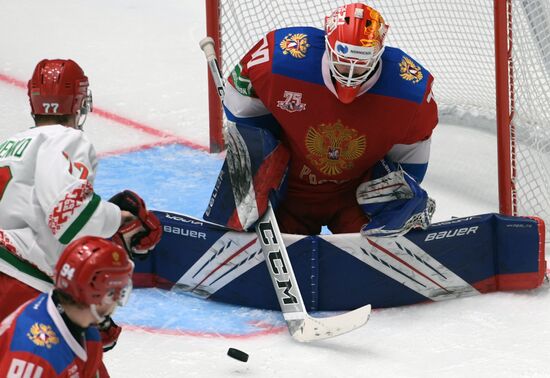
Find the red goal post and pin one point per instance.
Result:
(490, 58)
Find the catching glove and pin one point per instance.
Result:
(394, 201)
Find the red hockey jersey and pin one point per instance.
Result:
(285, 81)
(36, 343)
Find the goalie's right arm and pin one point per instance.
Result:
(253, 172)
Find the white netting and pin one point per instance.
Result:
(454, 39)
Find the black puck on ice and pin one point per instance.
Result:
(237, 354)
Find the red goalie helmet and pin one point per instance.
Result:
(59, 87)
(354, 43)
(94, 271)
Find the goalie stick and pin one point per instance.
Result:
(301, 325)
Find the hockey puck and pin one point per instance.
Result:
(237, 354)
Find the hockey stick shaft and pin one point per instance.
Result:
(207, 46)
(301, 326)
(279, 266)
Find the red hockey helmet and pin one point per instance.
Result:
(94, 271)
(59, 87)
(354, 43)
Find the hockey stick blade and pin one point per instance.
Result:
(312, 329)
(301, 325)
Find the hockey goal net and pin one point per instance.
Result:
(490, 58)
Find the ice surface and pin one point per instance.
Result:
(144, 64)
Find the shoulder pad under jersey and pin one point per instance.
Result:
(402, 77)
(297, 53)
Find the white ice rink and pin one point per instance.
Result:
(148, 79)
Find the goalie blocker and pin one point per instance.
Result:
(461, 257)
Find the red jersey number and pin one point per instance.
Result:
(5, 178)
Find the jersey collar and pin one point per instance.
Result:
(62, 327)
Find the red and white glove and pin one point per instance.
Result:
(109, 332)
(141, 234)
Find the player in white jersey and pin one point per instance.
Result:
(47, 197)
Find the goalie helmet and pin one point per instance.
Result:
(354, 44)
(94, 271)
(59, 87)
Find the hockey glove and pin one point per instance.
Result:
(394, 201)
(140, 235)
(109, 332)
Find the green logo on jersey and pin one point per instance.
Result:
(242, 83)
(15, 148)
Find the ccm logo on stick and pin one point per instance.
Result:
(451, 233)
(276, 262)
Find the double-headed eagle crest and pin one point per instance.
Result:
(410, 71)
(333, 147)
(295, 45)
(42, 335)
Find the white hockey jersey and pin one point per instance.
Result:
(47, 200)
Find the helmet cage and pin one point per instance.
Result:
(350, 78)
